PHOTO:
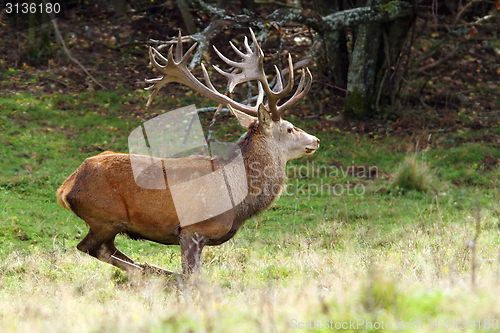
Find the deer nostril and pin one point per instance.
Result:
(317, 140)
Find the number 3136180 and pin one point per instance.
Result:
(32, 8)
(471, 324)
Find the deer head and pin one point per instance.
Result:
(294, 141)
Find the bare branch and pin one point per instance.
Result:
(275, 3)
(451, 54)
(217, 12)
(321, 25)
(342, 19)
(464, 9)
(61, 40)
(204, 37)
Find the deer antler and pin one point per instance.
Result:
(252, 69)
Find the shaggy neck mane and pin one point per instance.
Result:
(265, 166)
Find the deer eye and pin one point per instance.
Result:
(290, 130)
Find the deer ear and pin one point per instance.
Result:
(243, 119)
(265, 120)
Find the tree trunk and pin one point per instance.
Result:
(39, 45)
(375, 59)
(120, 7)
(186, 16)
(248, 4)
(32, 53)
(334, 62)
(359, 101)
(396, 34)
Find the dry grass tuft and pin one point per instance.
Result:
(414, 174)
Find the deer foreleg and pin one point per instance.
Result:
(191, 247)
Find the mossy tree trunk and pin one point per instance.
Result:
(362, 71)
(376, 57)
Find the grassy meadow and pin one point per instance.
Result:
(374, 233)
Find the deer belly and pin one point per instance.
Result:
(152, 216)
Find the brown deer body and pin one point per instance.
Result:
(104, 193)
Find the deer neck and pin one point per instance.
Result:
(265, 166)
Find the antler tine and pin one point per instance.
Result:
(157, 83)
(245, 42)
(178, 49)
(175, 70)
(283, 92)
(185, 57)
(227, 61)
(251, 67)
(301, 91)
(207, 78)
(170, 64)
(236, 50)
(260, 97)
(153, 53)
(279, 81)
(154, 93)
(255, 43)
(273, 97)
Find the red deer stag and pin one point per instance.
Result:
(104, 193)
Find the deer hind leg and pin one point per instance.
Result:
(104, 249)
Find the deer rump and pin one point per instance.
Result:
(105, 190)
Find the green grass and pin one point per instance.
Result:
(335, 246)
